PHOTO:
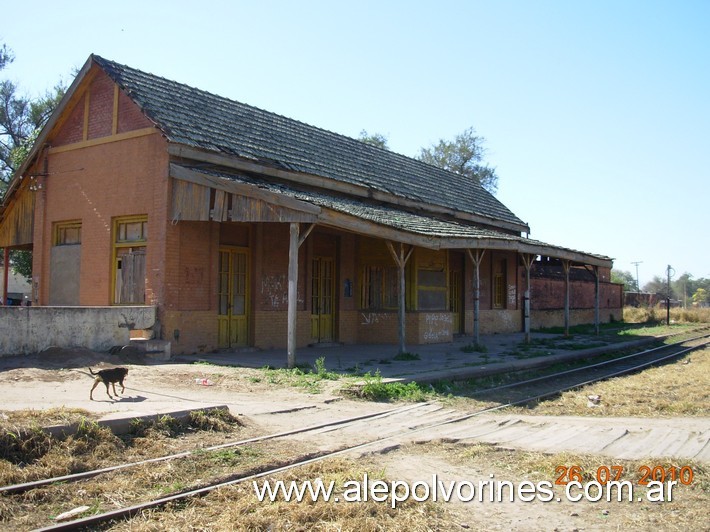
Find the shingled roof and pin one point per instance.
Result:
(427, 230)
(202, 120)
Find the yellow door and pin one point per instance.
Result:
(323, 300)
(455, 300)
(233, 318)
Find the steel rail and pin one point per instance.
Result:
(17, 488)
(131, 511)
(587, 367)
(26, 486)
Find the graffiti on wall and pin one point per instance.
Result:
(437, 327)
(512, 295)
(274, 289)
(370, 318)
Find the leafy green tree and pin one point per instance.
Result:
(21, 119)
(701, 297)
(683, 286)
(659, 285)
(5, 56)
(21, 263)
(626, 278)
(463, 155)
(375, 139)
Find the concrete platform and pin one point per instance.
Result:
(448, 361)
(120, 423)
(622, 438)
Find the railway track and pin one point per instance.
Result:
(599, 371)
(388, 425)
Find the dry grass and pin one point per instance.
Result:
(50, 416)
(675, 389)
(28, 453)
(687, 511)
(237, 508)
(678, 389)
(229, 508)
(659, 314)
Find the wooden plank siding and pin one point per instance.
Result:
(194, 202)
(245, 209)
(190, 201)
(18, 220)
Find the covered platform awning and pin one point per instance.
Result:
(207, 192)
(286, 203)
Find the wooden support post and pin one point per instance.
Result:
(401, 259)
(292, 292)
(565, 267)
(304, 235)
(5, 276)
(476, 258)
(527, 262)
(294, 243)
(596, 299)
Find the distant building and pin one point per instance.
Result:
(641, 299)
(19, 290)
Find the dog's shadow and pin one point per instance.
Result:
(136, 399)
(122, 399)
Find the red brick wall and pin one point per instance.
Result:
(549, 294)
(98, 181)
(198, 268)
(101, 95)
(130, 116)
(72, 129)
(271, 328)
(270, 279)
(96, 185)
(347, 305)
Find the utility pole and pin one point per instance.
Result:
(668, 298)
(638, 287)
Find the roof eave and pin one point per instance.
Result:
(230, 161)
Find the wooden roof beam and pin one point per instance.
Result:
(187, 152)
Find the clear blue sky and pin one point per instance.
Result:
(596, 114)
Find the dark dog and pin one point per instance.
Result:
(109, 376)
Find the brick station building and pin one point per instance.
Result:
(246, 228)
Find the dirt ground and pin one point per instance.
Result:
(59, 378)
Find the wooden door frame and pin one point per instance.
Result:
(230, 290)
(334, 296)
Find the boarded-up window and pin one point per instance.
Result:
(65, 264)
(431, 290)
(131, 235)
(67, 233)
(132, 231)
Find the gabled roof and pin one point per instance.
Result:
(202, 120)
(240, 144)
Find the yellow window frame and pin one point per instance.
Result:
(386, 286)
(64, 230)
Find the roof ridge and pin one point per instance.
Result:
(199, 118)
(104, 62)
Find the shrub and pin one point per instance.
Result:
(375, 389)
